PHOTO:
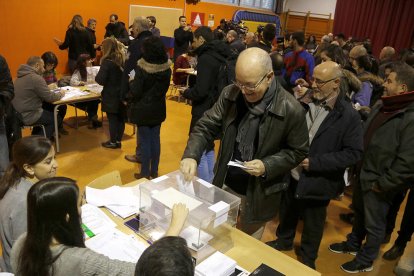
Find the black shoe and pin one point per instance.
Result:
(276, 244)
(395, 252)
(139, 176)
(154, 175)
(109, 145)
(348, 218)
(63, 131)
(355, 267)
(310, 264)
(133, 158)
(342, 248)
(386, 239)
(96, 123)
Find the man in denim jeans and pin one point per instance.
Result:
(386, 169)
(6, 94)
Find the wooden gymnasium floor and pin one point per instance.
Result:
(82, 158)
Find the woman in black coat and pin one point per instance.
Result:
(110, 77)
(148, 107)
(77, 40)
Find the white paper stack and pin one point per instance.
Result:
(96, 220)
(72, 92)
(117, 246)
(122, 201)
(217, 264)
(94, 87)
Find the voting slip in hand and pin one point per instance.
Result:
(239, 164)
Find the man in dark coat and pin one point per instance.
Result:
(335, 137)
(116, 29)
(6, 95)
(91, 31)
(183, 36)
(386, 169)
(261, 125)
(235, 42)
(211, 54)
(140, 30)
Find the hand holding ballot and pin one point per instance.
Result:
(188, 168)
(178, 218)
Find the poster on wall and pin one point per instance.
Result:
(210, 22)
(197, 19)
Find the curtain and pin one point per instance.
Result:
(385, 22)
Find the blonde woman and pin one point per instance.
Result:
(77, 40)
(110, 77)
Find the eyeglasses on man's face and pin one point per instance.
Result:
(248, 87)
(321, 83)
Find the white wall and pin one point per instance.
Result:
(314, 6)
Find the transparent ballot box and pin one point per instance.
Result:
(213, 211)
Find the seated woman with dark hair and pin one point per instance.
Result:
(82, 75)
(54, 243)
(51, 61)
(33, 160)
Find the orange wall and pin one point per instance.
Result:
(28, 26)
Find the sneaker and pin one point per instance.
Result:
(109, 145)
(118, 144)
(132, 158)
(394, 252)
(278, 245)
(343, 248)
(354, 267)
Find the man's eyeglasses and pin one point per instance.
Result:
(320, 83)
(250, 88)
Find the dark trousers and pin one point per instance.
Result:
(116, 126)
(314, 216)
(150, 149)
(370, 222)
(90, 107)
(47, 120)
(407, 223)
(393, 212)
(61, 111)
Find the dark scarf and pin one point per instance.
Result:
(397, 102)
(249, 125)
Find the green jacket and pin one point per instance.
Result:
(282, 145)
(388, 161)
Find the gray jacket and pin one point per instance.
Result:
(13, 217)
(31, 91)
(78, 261)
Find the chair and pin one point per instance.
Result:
(37, 125)
(106, 181)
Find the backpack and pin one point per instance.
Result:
(227, 72)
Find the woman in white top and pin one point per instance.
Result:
(82, 75)
(54, 242)
(33, 160)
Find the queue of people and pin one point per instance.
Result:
(296, 121)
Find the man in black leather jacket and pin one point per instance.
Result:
(261, 125)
